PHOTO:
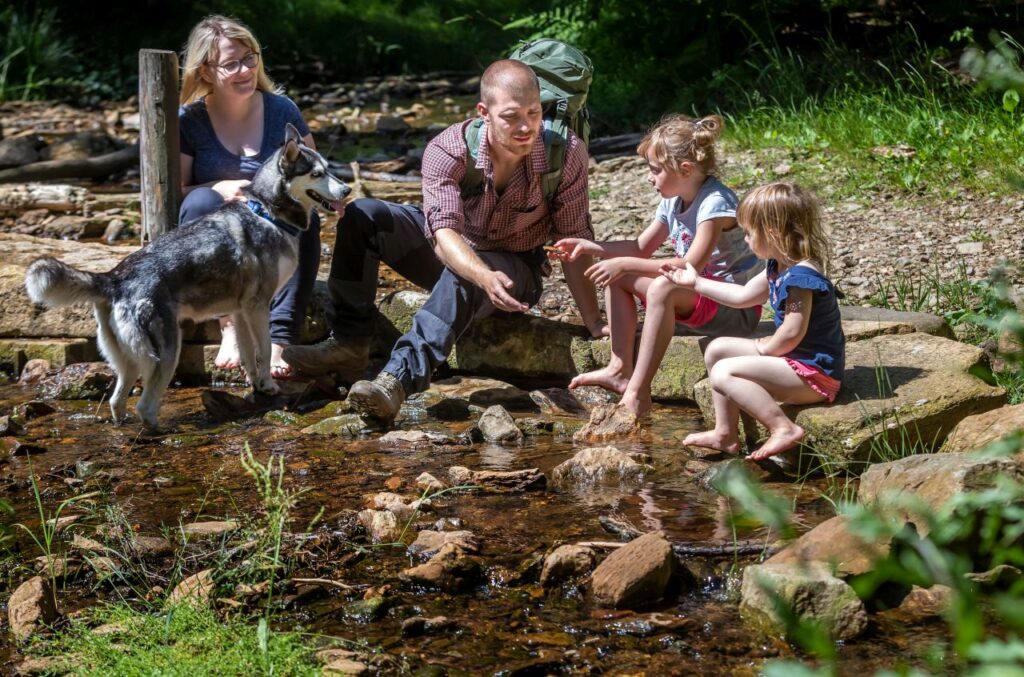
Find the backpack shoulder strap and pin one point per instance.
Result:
(474, 177)
(556, 140)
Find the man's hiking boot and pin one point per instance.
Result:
(347, 358)
(379, 399)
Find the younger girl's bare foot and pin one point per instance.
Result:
(227, 356)
(780, 441)
(608, 378)
(638, 405)
(278, 367)
(712, 439)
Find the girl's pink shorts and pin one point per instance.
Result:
(819, 381)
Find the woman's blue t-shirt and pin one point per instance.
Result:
(213, 162)
(824, 345)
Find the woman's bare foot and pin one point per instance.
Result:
(780, 441)
(227, 356)
(278, 367)
(608, 378)
(712, 439)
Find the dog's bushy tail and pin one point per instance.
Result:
(52, 283)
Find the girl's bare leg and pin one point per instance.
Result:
(756, 384)
(620, 304)
(725, 435)
(664, 300)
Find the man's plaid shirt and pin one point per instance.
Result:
(518, 220)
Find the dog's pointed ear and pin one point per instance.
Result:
(291, 143)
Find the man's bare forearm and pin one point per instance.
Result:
(456, 254)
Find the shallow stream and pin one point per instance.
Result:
(506, 624)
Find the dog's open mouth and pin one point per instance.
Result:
(330, 206)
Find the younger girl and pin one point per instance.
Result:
(231, 120)
(698, 214)
(802, 362)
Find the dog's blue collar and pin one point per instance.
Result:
(259, 210)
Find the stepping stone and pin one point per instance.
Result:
(15, 353)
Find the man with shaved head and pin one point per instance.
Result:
(477, 253)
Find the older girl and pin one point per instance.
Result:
(802, 362)
(232, 118)
(697, 213)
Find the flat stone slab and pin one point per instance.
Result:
(19, 317)
(15, 353)
(927, 386)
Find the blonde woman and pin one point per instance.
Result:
(232, 118)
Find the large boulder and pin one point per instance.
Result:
(474, 391)
(15, 354)
(809, 591)
(833, 543)
(861, 322)
(933, 479)
(635, 575)
(904, 389)
(521, 346)
(974, 433)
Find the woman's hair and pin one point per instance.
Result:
(787, 216)
(201, 50)
(678, 139)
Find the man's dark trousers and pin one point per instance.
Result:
(374, 231)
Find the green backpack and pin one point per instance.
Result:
(565, 74)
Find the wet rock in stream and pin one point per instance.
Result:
(637, 574)
(429, 542)
(33, 372)
(31, 607)
(808, 590)
(598, 464)
(608, 422)
(565, 563)
(81, 381)
(451, 568)
(497, 425)
(498, 481)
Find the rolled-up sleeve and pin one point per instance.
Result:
(443, 167)
(570, 207)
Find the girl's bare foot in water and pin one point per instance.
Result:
(712, 439)
(227, 356)
(278, 367)
(780, 441)
(637, 405)
(607, 378)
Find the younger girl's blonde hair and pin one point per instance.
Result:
(787, 216)
(679, 138)
(201, 48)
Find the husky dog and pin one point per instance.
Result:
(230, 262)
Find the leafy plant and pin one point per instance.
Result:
(35, 53)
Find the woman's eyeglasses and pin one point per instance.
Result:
(231, 67)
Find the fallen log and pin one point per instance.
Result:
(343, 171)
(57, 197)
(90, 168)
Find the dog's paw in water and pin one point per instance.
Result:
(267, 387)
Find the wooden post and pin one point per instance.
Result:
(158, 141)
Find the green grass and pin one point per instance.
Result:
(908, 135)
(179, 641)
